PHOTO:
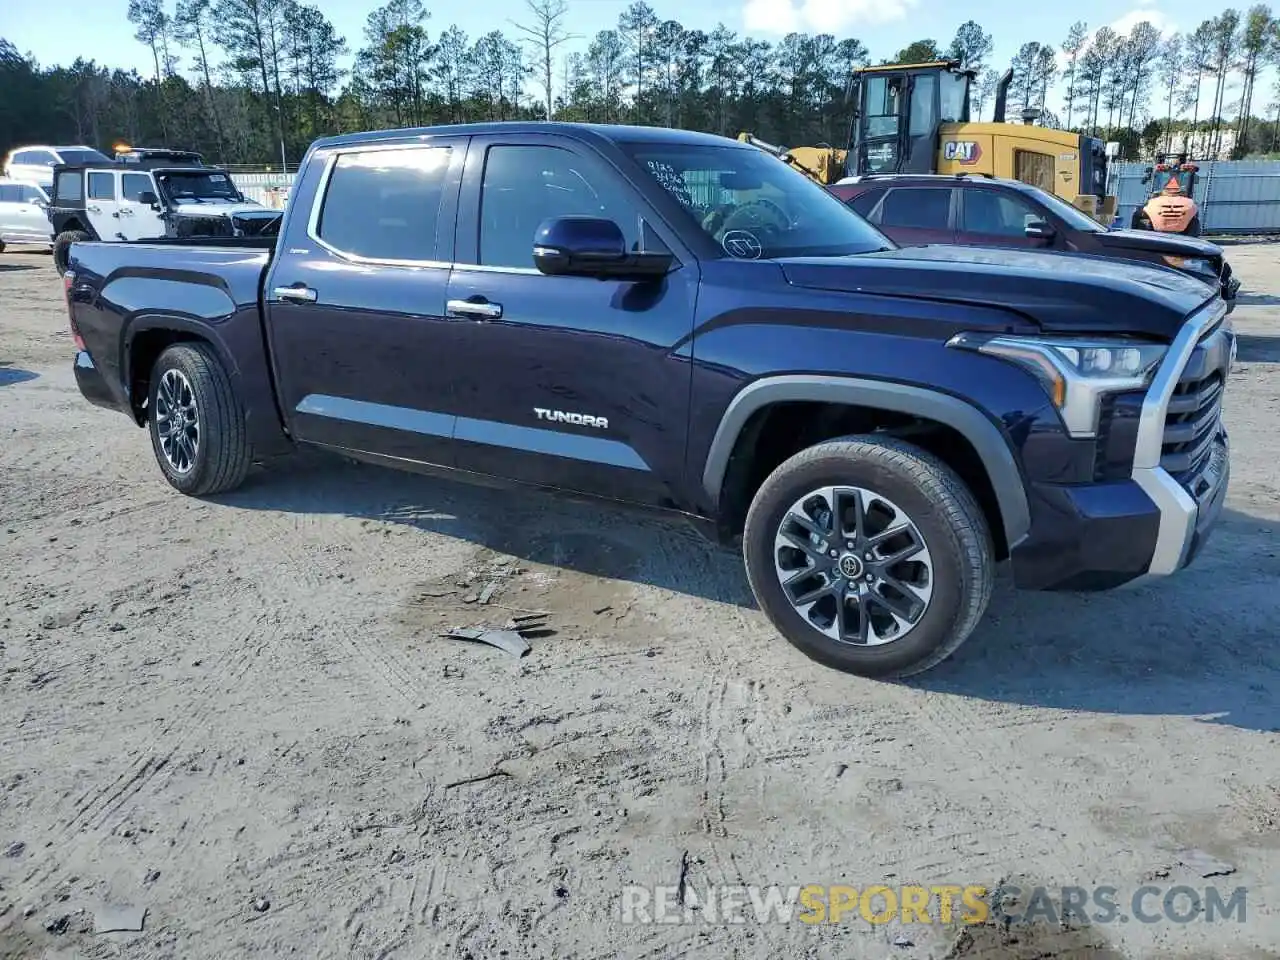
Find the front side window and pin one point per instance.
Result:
(753, 206)
(385, 204)
(134, 185)
(1001, 215)
(9, 193)
(102, 186)
(925, 208)
(525, 185)
(30, 194)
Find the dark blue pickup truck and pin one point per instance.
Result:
(679, 322)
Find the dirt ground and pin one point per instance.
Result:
(239, 715)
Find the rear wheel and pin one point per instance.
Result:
(62, 248)
(869, 555)
(196, 422)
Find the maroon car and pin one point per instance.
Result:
(916, 209)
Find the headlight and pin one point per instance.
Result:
(1193, 265)
(1075, 373)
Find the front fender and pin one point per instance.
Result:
(987, 439)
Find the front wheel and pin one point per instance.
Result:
(62, 248)
(1193, 228)
(870, 555)
(195, 421)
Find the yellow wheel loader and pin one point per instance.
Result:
(914, 118)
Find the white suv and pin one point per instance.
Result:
(23, 214)
(35, 164)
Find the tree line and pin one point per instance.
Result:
(255, 81)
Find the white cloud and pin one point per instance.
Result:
(1145, 10)
(780, 17)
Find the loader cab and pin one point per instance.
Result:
(897, 110)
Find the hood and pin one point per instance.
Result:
(1153, 240)
(1062, 293)
(219, 208)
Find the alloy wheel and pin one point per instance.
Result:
(177, 421)
(853, 565)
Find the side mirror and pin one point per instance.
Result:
(149, 198)
(39, 202)
(592, 247)
(1038, 230)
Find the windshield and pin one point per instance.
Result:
(198, 185)
(1076, 218)
(82, 156)
(755, 206)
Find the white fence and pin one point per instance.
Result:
(269, 189)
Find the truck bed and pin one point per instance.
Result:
(128, 301)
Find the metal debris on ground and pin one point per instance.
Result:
(510, 637)
(487, 593)
(1205, 864)
(117, 919)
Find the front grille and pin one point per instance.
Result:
(1193, 419)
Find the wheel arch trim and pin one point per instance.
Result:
(987, 440)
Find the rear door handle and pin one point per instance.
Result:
(481, 309)
(126, 212)
(296, 294)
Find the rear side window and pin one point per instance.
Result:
(102, 186)
(385, 204)
(9, 194)
(68, 187)
(134, 185)
(922, 207)
(864, 203)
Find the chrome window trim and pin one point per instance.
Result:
(322, 189)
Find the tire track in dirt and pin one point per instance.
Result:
(92, 810)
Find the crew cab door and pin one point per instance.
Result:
(354, 302)
(568, 382)
(101, 206)
(140, 221)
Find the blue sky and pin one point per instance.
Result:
(98, 29)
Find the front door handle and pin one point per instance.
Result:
(94, 209)
(481, 309)
(297, 294)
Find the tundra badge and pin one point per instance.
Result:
(580, 419)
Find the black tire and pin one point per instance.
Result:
(1193, 228)
(62, 247)
(1, 246)
(222, 455)
(948, 519)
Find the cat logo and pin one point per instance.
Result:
(963, 151)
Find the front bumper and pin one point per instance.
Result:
(1102, 535)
